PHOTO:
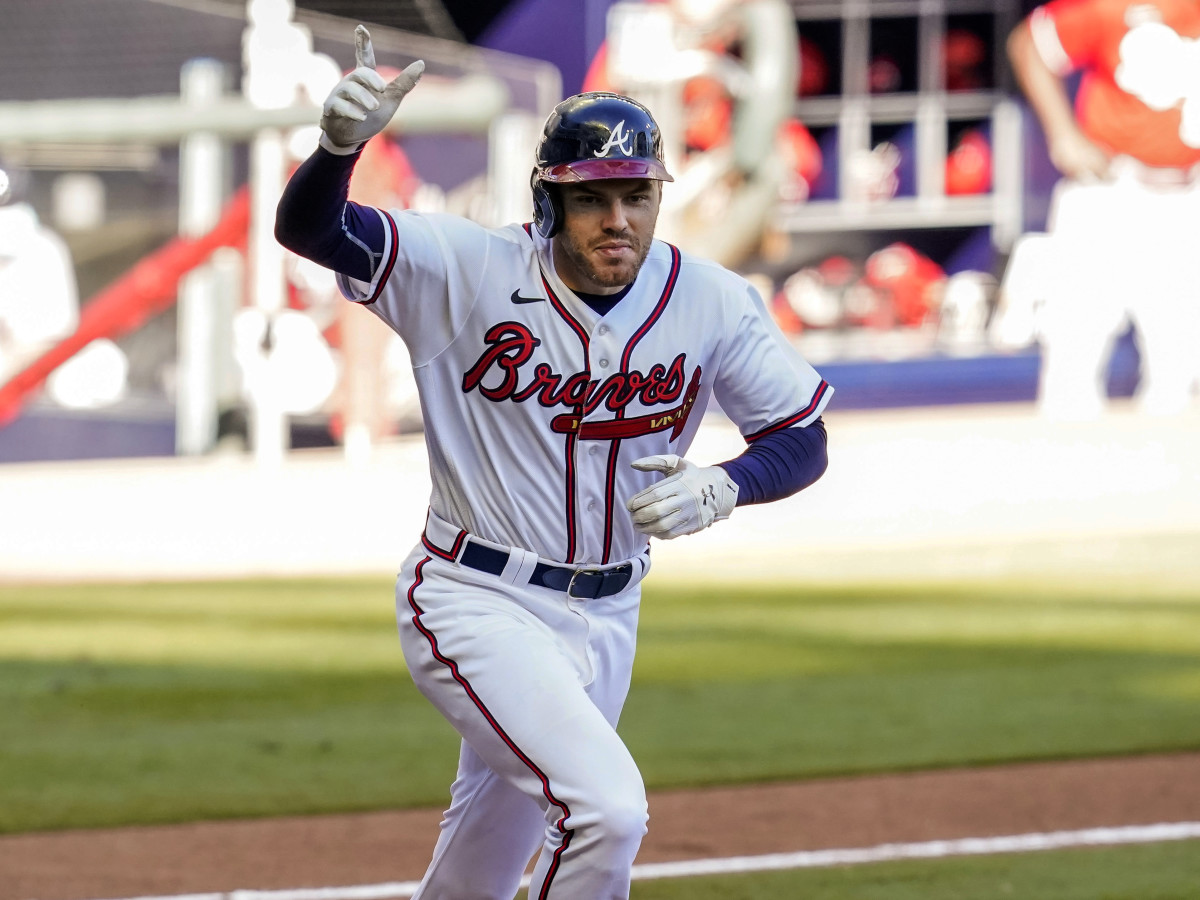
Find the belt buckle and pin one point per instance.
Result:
(575, 574)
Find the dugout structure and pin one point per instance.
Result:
(156, 164)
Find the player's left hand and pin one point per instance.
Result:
(361, 104)
(688, 500)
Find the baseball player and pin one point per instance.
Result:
(563, 366)
(1125, 220)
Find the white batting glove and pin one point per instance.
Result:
(688, 500)
(362, 103)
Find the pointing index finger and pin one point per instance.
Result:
(364, 53)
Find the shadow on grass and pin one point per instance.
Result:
(87, 744)
(757, 685)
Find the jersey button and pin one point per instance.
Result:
(591, 505)
(604, 363)
(603, 329)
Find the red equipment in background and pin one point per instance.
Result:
(969, 165)
(141, 293)
(909, 279)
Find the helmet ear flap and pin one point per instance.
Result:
(547, 209)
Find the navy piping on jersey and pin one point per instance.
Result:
(672, 277)
(394, 233)
(610, 485)
(813, 405)
(565, 314)
(573, 437)
(567, 833)
(569, 488)
(614, 451)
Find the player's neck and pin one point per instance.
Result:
(602, 304)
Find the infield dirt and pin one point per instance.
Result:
(373, 848)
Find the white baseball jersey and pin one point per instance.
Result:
(535, 406)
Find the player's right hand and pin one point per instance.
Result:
(688, 500)
(362, 103)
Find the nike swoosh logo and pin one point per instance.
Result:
(517, 298)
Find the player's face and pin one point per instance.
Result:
(607, 229)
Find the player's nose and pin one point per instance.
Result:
(614, 216)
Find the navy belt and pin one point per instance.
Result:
(582, 584)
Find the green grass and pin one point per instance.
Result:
(801, 682)
(1169, 871)
(155, 703)
(160, 703)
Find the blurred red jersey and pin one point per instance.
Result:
(1140, 61)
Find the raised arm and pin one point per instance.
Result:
(314, 218)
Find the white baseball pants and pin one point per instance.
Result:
(534, 682)
(1126, 250)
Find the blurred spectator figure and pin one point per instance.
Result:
(1124, 220)
(39, 298)
(725, 73)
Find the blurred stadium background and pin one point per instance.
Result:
(211, 410)
(868, 165)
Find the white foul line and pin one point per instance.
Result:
(804, 859)
(1017, 843)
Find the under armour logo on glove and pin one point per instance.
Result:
(679, 504)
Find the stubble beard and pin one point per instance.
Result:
(608, 276)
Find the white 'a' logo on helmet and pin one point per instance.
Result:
(619, 138)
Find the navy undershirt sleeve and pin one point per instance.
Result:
(779, 464)
(315, 219)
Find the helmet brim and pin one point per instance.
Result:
(601, 169)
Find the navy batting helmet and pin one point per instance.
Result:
(588, 137)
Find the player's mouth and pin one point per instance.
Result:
(614, 249)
